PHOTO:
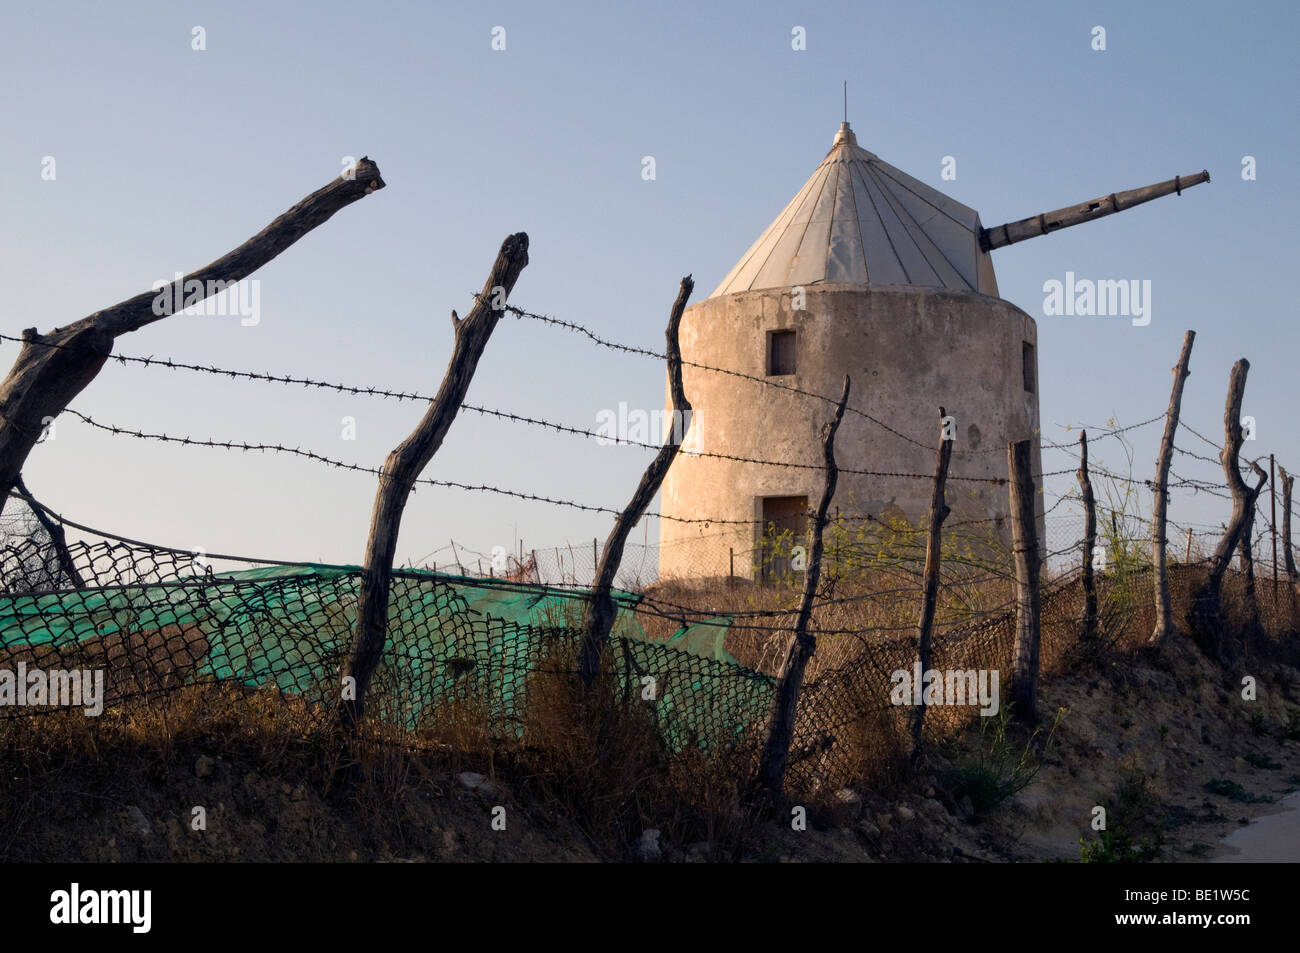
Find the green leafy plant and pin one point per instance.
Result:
(1116, 847)
(999, 767)
(1291, 730)
(1233, 791)
(1262, 761)
(1130, 837)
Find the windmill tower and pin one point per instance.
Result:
(871, 273)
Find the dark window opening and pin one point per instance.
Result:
(780, 353)
(1027, 359)
(785, 526)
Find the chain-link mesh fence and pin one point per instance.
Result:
(149, 620)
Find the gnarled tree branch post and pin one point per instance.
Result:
(598, 616)
(1288, 554)
(403, 466)
(930, 588)
(1159, 522)
(1208, 621)
(776, 752)
(52, 369)
(1024, 543)
(57, 537)
(1246, 553)
(1272, 520)
(1089, 540)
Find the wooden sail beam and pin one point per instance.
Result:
(1048, 222)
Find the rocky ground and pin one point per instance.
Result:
(1165, 743)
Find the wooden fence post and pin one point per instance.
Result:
(52, 369)
(1288, 555)
(930, 588)
(403, 466)
(1206, 608)
(1024, 539)
(598, 616)
(776, 751)
(1272, 523)
(1246, 550)
(57, 537)
(1159, 540)
(1089, 540)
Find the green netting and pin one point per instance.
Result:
(448, 638)
(705, 638)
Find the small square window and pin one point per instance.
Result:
(780, 353)
(1028, 366)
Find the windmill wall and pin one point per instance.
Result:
(908, 350)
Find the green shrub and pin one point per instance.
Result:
(999, 767)
(1130, 836)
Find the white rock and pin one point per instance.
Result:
(138, 820)
(473, 781)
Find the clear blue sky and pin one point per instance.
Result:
(168, 157)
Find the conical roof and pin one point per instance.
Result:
(860, 221)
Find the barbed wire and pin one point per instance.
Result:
(597, 435)
(1182, 423)
(318, 457)
(645, 603)
(653, 605)
(1115, 431)
(321, 458)
(1197, 486)
(264, 376)
(376, 471)
(371, 391)
(1196, 456)
(368, 391)
(767, 382)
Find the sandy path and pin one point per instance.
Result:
(1271, 839)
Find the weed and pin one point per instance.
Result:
(1291, 730)
(999, 767)
(1262, 761)
(1233, 791)
(1130, 837)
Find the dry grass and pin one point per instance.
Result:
(586, 773)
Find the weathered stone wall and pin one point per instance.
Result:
(907, 350)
